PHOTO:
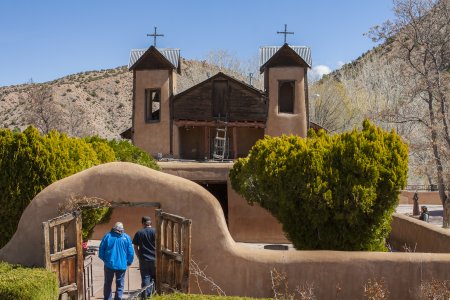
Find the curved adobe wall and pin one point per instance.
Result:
(419, 235)
(237, 269)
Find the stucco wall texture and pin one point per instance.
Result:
(237, 269)
(418, 235)
(159, 130)
(286, 123)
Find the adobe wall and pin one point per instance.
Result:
(286, 123)
(418, 235)
(237, 269)
(247, 137)
(425, 198)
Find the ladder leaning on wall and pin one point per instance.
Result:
(220, 140)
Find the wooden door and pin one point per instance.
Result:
(173, 253)
(64, 252)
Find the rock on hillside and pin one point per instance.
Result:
(94, 102)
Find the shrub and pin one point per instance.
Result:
(20, 283)
(328, 192)
(126, 152)
(30, 162)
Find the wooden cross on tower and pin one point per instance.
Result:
(154, 35)
(285, 32)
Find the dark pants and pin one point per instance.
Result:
(120, 282)
(147, 269)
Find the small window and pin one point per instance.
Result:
(286, 96)
(152, 105)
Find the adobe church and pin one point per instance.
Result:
(197, 133)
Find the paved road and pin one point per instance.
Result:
(132, 277)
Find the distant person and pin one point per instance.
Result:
(144, 245)
(424, 215)
(116, 251)
(416, 211)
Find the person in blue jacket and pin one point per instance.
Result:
(116, 251)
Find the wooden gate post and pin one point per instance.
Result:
(173, 253)
(67, 263)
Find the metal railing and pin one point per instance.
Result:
(88, 278)
(422, 187)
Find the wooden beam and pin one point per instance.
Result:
(187, 255)
(158, 250)
(193, 123)
(80, 258)
(172, 255)
(63, 254)
(206, 141)
(63, 219)
(68, 288)
(234, 143)
(47, 260)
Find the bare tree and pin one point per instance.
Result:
(330, 106)
(42, 111)
(76, 120)
(420, 38)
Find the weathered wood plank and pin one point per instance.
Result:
(173, 218)
(63, 254)
(187, 232)
(71, 269)
(55, 239)
(47, 260)
(62, 219)
(68, 288)
(172, 255)
(197, 123)
(159, 270)
(63, 272)
(80, 263)
(61, 236)
(242, 102)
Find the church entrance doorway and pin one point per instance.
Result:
(220, 191)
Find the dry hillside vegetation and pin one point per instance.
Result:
(88, 103)
(404, 84)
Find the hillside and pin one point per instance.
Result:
(94, 102)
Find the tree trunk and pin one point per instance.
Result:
(437, 156)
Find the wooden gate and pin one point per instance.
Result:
(64, 252)
(173, 253)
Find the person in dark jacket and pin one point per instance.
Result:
(144, 245)
(116, 251)
(424, 215)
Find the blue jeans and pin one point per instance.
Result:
(147, 270)
(120, 282)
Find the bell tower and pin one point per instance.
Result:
(154, 84)
(285, 82)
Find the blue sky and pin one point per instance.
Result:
(48, 39)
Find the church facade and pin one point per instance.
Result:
(196, 134)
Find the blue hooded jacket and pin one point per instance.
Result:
(116, 251)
